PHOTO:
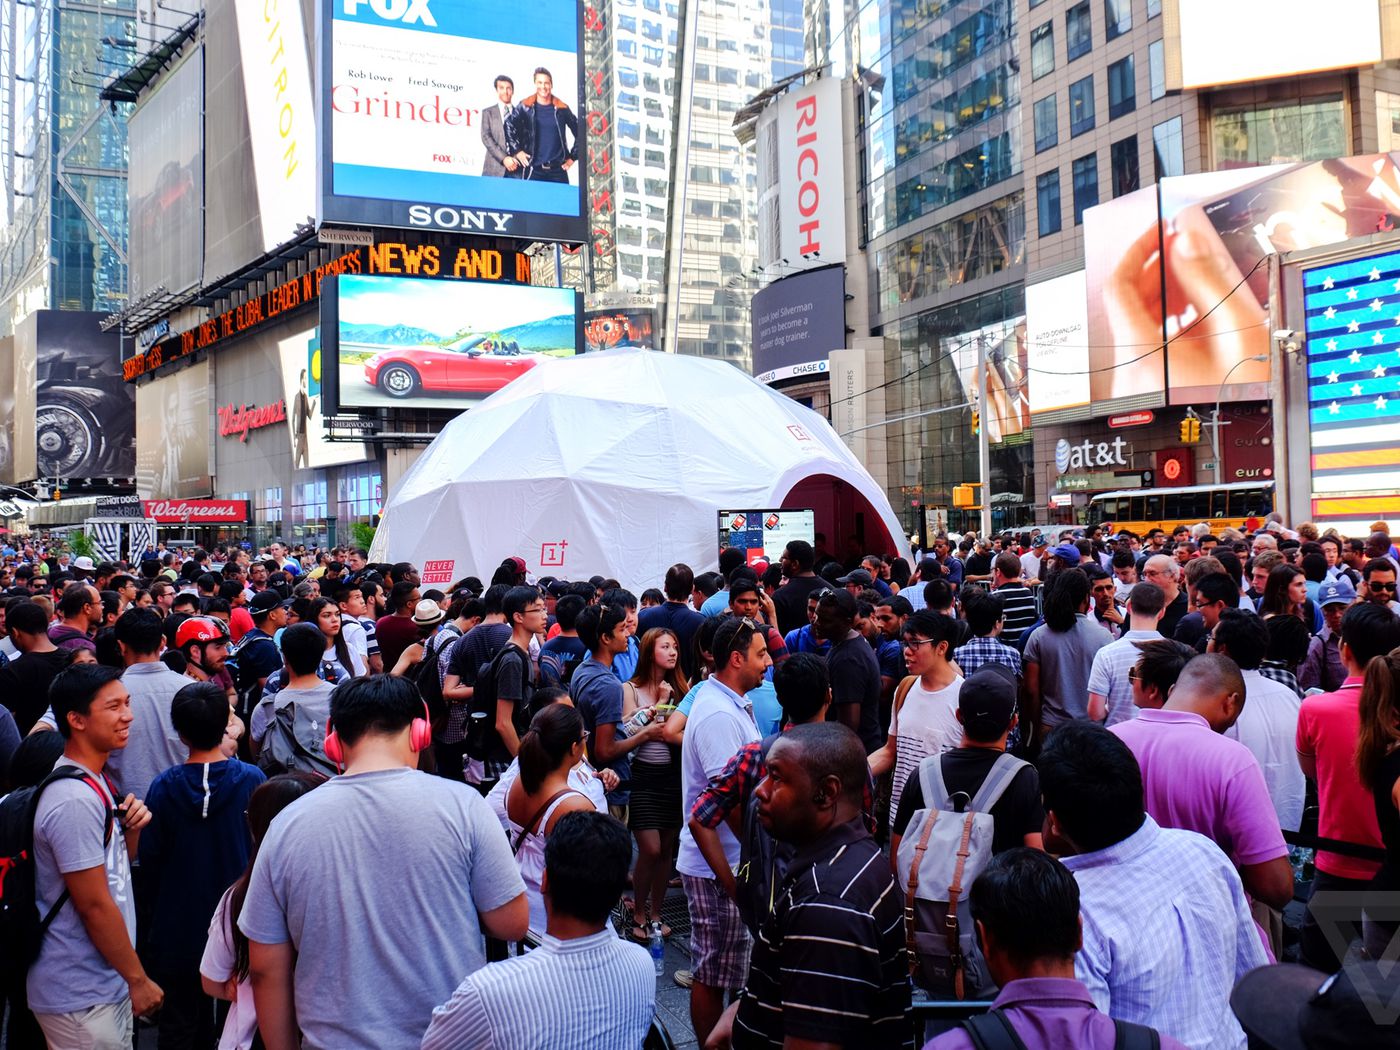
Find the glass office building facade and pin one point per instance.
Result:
(943, 225)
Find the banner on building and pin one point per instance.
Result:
(801, 178)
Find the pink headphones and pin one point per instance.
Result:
(420, 735)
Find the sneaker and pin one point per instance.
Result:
(684, 978)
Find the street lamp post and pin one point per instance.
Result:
(1216, 447)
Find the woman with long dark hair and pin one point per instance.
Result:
(224, 969)
(654, 815)
(1286, 594)
(338, 661)
(1060, 653)
(1378, 767)
(549, 750)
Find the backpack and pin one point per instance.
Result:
(757, 876)
(425, 676)
(21, 929)
(942, 851)
(992, 1031)
(482, 738)
(294, 741)
(245, 678)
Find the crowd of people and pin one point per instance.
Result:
(1060, 784)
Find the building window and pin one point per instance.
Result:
(1167, 160)
(1279, 133)
(1042, 50)
(1081, 106)
(1117, 18)
(1124, 157)
(1156, 70)
(1079, 37)
(1122, 88)
(1086, 185)
(1047, 202)
(1047, 124)
(1154, 8)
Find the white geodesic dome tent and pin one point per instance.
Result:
(617, 463)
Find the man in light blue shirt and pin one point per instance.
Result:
(584, 988)
(1167, 927)
(1110, 675)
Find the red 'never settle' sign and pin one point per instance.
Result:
(197, 511)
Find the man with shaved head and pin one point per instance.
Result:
(1166, 574)
(1196, 779)
(837, 921)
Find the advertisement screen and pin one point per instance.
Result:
(411, 343)
(1286, 37)
(801, 183)
(1057, 343)
(165, 182)
(607, 328)
(797, 322)
(457, 115)
(1354, 382)
(172, 435)
(1003, 346)
(1215, 232)
(765, 533)
(305, 406)
(85, 425)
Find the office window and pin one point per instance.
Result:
(1122, 88)
(1085, 175)
(1117, 18)
(1154, 8)
(1047, 202)
(1280, 132)
(1156, 70)
(1124, 157)
(1079, 36)
(1166, 149)
(1081, 106)
(1042, 50)
(1047, 125)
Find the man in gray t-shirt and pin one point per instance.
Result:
(84, 838)
(371, 894)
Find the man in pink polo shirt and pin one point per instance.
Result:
(1327, 728)
(1195, 779)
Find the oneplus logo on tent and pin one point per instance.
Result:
(552, 554)
(797, 432)
(406, 11)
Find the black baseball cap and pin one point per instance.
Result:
(857, 576)
(265, 601)
(1288, 1007)
(987, 700)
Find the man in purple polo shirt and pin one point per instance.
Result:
(1042, 1000)
(1197, 780)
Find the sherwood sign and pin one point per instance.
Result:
(239, 419)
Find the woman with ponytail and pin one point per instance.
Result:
(224, 968)
(541, 794)
(1378, 766)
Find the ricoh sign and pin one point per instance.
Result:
(802, 215)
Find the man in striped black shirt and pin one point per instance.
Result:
(1017, 601)
(828, 966)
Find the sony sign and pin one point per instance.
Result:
(1090, 455)
(459, 218)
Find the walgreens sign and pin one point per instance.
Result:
(197, 511)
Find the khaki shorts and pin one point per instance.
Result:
(104, 1027)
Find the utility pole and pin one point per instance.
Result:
(984, 448)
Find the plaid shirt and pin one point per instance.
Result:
(976, 653)
(740, 778)
(1283, 676)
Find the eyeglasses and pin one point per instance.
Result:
(914, 643)
(1133, 675)
(1377, 586)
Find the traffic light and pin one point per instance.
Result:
(1195, 429)
(57, 494)
(962, 496)
(976, 422)
(1185, 430)
(1190, 430)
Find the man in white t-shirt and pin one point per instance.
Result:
(1034, 558)
(352, 608)
(925, 717)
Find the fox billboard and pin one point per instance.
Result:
(454, 115)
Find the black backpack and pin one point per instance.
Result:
(425, 676)
(21, 929)
(482, 739)
(992, 1031)
(245, 678)
(760, 863)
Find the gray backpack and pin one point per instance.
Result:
(294, 741)
(942, 851)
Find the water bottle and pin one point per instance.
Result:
(658, 947)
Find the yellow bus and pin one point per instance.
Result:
(1222, 506)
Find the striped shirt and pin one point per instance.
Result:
(1166, 950)
(589, 993)
(1017, 609)
(829, 963)
(1108, 677)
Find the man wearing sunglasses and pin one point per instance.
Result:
(1378, 583)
